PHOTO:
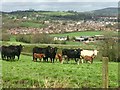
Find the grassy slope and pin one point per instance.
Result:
(87, 33)
(57, 13)
(25, 73)
(32, 24)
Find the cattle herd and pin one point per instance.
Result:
(79, 55)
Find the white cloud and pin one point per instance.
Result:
(60, 0)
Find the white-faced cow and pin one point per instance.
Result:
(88, 55)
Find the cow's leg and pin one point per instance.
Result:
(75, 59)
(91, 61)
(47, 59)
(7, 58)
(78, 62)
(53, 60)
(67, 60)
(35, 59)
(82, 60)
(44, 59)
(2, 56)
(10, 57)
(14, 57)
(18, 56)
(40, 59)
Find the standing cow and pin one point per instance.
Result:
(17, 50)
(52, 53)
(9, 52)
(44, 51)
(49, 52)
(37, 55)
(88, 55)
(71, 53)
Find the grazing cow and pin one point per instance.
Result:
(58, 56)
(71, 53)
(90, 53)
(40, 56)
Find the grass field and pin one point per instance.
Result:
(32, 25)
(28, 74)
(87, 33)
(57, 13)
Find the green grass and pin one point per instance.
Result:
(28, 74)
(57, 13)
(32, 24)
(87, 33)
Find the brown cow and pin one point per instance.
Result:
(88, 58)
(37, 55)
(58, 56)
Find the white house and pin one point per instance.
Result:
(60, 38)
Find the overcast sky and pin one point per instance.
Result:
(57, 5)
(60, 0)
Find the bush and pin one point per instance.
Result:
(23, 38)
(42, 38)
(5, 37)
(110, 47)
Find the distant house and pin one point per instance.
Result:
(84, 38)
(60, 38)
(79, 39)
(25, 17)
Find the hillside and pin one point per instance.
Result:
(113, 11)
(57, 21)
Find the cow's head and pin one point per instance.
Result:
(95, 52)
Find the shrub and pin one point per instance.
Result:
(109, 47)
(5, 37)
(23, 38)
(42, 38)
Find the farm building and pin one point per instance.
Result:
(84, 38)
(60, 38)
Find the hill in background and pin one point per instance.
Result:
(113, 11)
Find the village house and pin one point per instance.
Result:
(60, 38)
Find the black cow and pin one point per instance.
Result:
(52, 53)
(44, 51)
(9, 52)
(49, 52)
(72, 53)
(17, 50)
(4, 52)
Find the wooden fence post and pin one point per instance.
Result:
(105, 72)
